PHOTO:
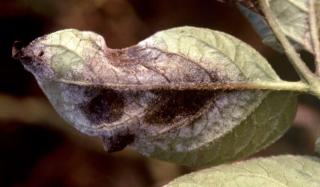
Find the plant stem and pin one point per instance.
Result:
(314, 35)
(300, 66)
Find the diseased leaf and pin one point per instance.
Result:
(286, 171)
(179, 95)
(210, 141)
(295, 19)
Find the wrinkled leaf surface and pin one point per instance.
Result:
(180, 95)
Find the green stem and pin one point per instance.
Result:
(300, 66)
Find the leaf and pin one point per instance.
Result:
(295, 19)
(204, 145)
(179, 95)
(283, 171)
(261, 27)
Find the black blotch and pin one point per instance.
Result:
(173, 106)
(106, 107)
(41, 54)
(117, 142)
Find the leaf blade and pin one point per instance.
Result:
(286, 170)
(77, 71)
(251, 135)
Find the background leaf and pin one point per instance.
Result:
(261, 27)
(294, 19)
(273, 171)
(140, 95)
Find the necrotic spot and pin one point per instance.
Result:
(106, 107)
(173, 106)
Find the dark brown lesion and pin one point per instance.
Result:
(106, 107)
(41, 53)
(173, 106)
(126, 57)
(117, 142)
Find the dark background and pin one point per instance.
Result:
(37, 148)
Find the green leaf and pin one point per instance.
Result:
(290, 171)
(294, 18)
(180, 95)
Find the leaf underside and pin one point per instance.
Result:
(199, 146)
(138, 96)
